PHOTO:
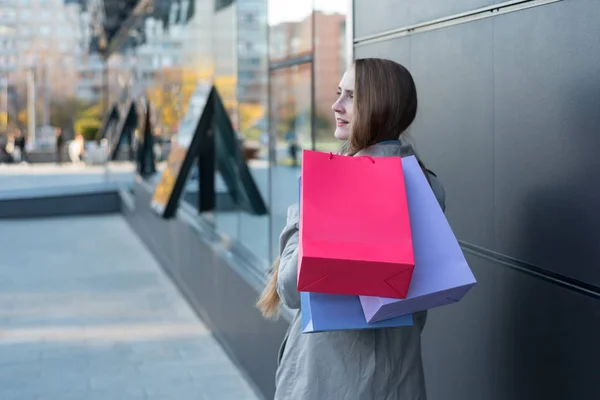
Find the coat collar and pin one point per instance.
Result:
(392, 148)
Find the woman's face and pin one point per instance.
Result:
(343, 108)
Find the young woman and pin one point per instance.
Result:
(377, 102)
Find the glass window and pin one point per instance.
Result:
(45, 30)
(227, 217)
(330, 64)
(290, 103)
(252, 93)
(290, 25)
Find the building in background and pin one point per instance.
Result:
(91, 78)
(91, 64)
(330, 60)
(252, 66)
(43, 50)
(8, 60)
(51, 40)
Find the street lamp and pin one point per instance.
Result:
(31, 99)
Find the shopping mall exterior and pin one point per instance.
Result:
(509, 96)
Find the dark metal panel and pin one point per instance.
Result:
(547, 119)
(513, 337)
(61, 205)
(453, 130)
(392, 14)
(508, 112)
(459, 342)
(546, 345)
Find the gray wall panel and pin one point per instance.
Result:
(397, 50)
(547, 125)
(514, 337)
(390, 14)
(509, 119)
(459, 342)
(547, 343)
(453, 71)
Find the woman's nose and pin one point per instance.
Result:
(337, 107)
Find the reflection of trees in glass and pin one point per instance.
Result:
(64, 111)
(170, 95)
(86, 118)
(250, 117)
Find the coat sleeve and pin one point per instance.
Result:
(287, 281)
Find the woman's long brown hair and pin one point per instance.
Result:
(386, 103)
(385, 106)
(269, 301)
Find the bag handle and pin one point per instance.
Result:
(369, 157)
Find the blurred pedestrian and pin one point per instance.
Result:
(20, 144)
(293, 146)
(5, 154)
(76, 149)
(60, 145)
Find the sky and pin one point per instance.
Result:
(293, 11)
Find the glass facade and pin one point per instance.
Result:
(275, 64)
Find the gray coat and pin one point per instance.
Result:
(381, 364)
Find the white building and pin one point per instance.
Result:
(8, 37)
(8, 56)
(91, 65)
(50, 39)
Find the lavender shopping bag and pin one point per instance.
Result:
(335, 312)
(441, 275)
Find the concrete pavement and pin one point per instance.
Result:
(86, 313)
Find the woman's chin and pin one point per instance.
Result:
(341, 134)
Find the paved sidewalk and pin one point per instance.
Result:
(86, 313)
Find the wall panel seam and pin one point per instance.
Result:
(451, 20)
(530, 269)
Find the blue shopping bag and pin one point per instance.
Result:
(336, 312)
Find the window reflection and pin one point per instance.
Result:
(252, 95)
(330, 64)
(224, 53)
(184, 42)
(290, 102)
(290, 25)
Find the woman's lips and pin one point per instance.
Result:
(341, 122)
